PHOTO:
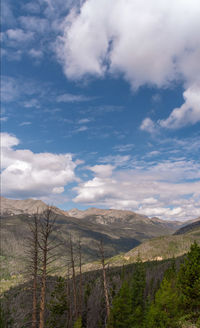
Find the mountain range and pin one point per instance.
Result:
(121, 231)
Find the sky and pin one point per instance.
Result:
(100, 104)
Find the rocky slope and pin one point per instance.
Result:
(119, 230)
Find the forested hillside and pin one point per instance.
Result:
(151, 294)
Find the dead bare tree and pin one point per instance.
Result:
(35, 271)
(80, 281)
(32, 254)
(68, 291)
(47, 224)
(73, 277)
(105, 285)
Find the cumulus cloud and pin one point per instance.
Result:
(102, 170)
(19, 35)
(29, 174)
(188, 113)
(158, 189)
(148, 125)
(149, 42)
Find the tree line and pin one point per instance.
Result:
(175, 303)
(127, 302)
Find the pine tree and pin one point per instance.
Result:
(121, 311)
(165, 311)
(189, 279)
(137, 294)
(58, 305)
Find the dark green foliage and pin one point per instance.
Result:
(178, 298)
(189, 279)
(58, 305)
(2, 318)
(164, 312)
(128, 306)
(137, 294)
(121, 312)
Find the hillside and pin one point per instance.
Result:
(120, 231)
(188, 227)
(156, 249)
(117, 238)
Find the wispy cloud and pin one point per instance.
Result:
(25, 123)
(116, 160)
(68, 97)
(81, 129)
(124, 148)
(84, 121)
(36, 53)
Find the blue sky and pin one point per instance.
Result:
(100, 104)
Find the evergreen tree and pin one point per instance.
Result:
(189, 279)
(165, 311)
(58, 305)
(137, 294)
(121, 312)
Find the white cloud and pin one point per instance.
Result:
(7, 16)
(38, 54)
(4, 118)
(25, 123)
(35, 24)
(9, 89)
(8, 141)
(32, 7)
(169, 189)
(123, 148)
(81, 129)
(31, 103)
(148, 41)
(68, 97)
(116, 160)
(102, 170)
(28, 174)
(19, 35)
(148, 125)
(84, 121)
(188, 113)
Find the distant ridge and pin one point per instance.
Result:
(28, 206)
(95, 215)
(189, 227)
(25, 206)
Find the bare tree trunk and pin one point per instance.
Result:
(35, 271)
(43, 288)
(80, 273)
(101, 249)
(69, 309)
(46, 226)
(73, 277)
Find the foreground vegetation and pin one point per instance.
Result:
(153, 294)
(162, 293)
(175, 304)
